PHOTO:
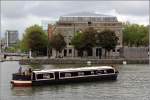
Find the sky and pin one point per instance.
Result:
(18, 15)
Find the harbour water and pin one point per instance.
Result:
(133, 84)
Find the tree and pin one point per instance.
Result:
(35, 39)
(77, 42)
(89, 40)
(57, 42)
(135, 35)
(107, 39)
(84, 41)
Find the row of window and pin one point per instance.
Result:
(85, 73)
(73, 74)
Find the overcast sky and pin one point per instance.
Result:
(17, 15)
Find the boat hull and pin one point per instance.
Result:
(21, 83)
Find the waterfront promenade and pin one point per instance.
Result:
(83, 61)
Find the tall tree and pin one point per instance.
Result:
(107, 39)
(135, 35)
(35, 39)
(57, 42)
(77, 42)
(84, 41)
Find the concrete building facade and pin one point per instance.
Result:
(69, 24)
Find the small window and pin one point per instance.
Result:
(46, 76)
(67, 74)
(39, 76)
(87, 72)
(99, 72)
(118, 50)
(105, 71)
(113, 50)
(89, 23)
(70, 51)
(80, 73)
(110, 71)
(92, 72)
(69, 43)
(73, 74)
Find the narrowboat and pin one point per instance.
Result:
(67, 75)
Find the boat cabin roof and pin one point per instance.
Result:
(74, 69)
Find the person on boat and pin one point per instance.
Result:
(20, 70)
(30, 71)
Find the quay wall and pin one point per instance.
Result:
(83, 61)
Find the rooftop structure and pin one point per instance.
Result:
(86, 17)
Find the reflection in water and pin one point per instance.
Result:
(21, 91)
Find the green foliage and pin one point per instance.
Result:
(85, 40)
(57, 42)
(107, 39)
(34, 39)
(89, 39)
(135, 35)
(14, 48)
(77, 41)
(10, 49)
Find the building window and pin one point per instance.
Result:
(118, 50)
(89, 23)
(113, 50)
(69, 43)
(70, 51)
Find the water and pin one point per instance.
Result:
(133, 84)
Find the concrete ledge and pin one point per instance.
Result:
(83, 61)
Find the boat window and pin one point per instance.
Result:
(39, 76)
(87, 72)
(74, 74)
(100, 72)
(67, 74)
(110, 71)
(62, 74)
(92, 72)
(105, 71)
(45, 76)
(80, 73)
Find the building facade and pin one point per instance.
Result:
(11, 37)
(68, 25)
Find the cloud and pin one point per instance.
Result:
(20, 14)
(17, 9)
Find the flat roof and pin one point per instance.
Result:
(86, 14)
(74, 69)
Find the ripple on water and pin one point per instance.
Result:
(133, 84)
